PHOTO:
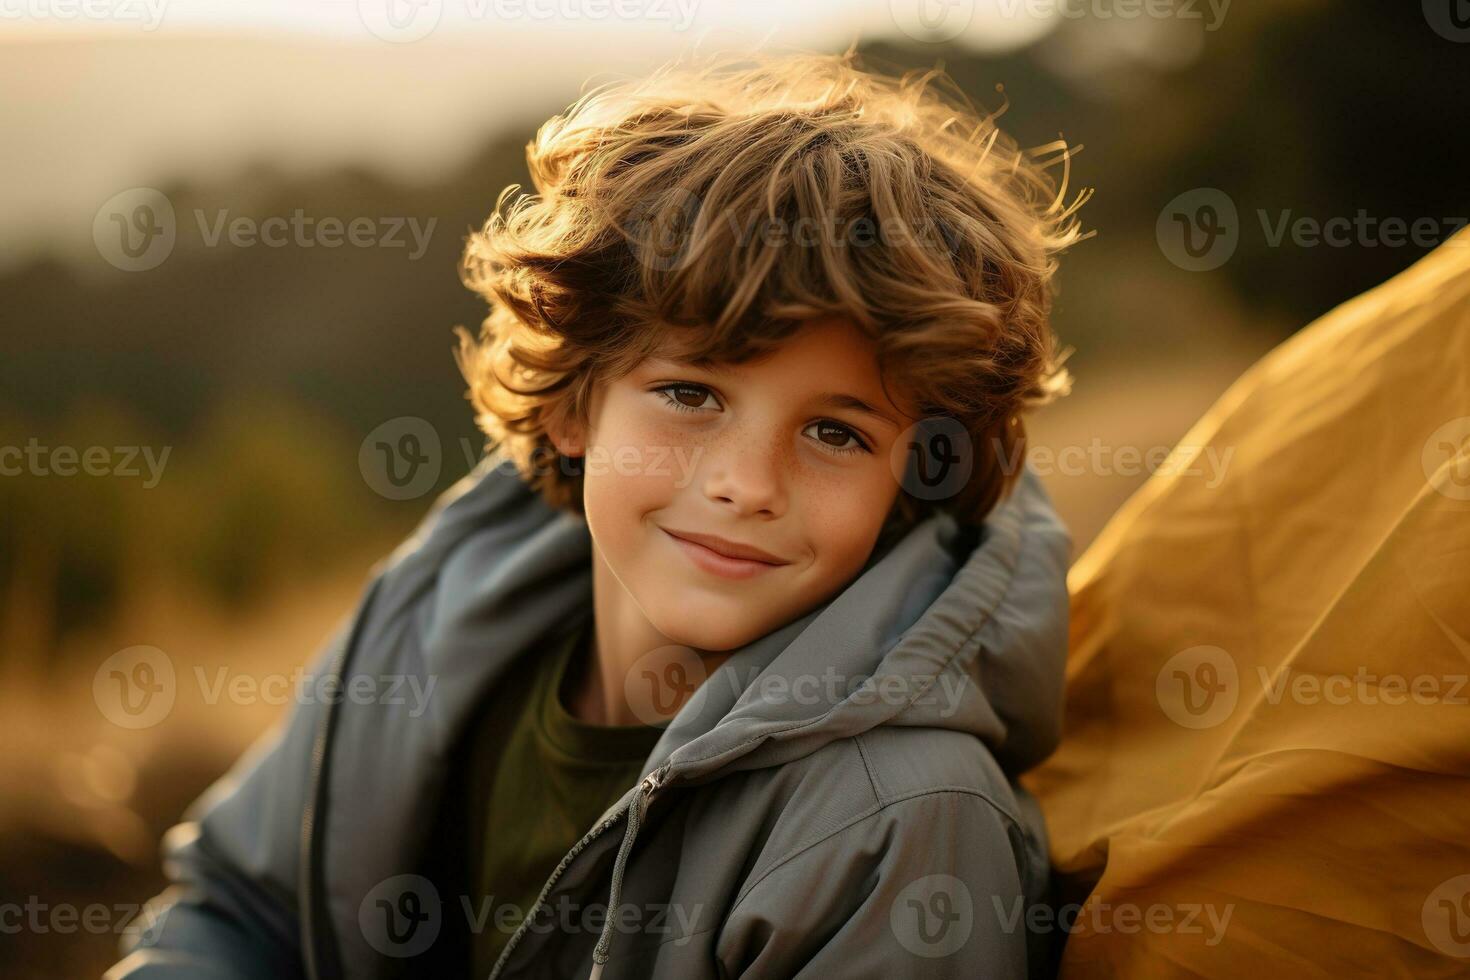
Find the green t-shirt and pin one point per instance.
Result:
(535, 780)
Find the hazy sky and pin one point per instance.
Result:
(97, 96)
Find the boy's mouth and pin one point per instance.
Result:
(720, 556)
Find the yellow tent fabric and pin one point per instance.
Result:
(1268, 713)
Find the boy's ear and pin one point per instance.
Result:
(568, 435)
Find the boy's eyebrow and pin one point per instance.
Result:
(841, 400)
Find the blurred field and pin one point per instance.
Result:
(83, 802)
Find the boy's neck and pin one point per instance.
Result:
(621, 634)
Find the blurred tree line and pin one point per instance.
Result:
(262, 369)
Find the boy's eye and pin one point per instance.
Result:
(836, 437)
(832, 437)
(688, 397)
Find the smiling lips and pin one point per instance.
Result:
(727, 559)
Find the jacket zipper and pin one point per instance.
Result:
(320, 954)
(648, 785)
(316, 928)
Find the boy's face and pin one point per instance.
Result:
(728, 501)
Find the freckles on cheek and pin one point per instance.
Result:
(844, 516)
(636, 465)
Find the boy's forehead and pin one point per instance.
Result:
(707, 349)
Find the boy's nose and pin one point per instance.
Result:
(747, 480)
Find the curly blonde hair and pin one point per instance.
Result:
(674, 207)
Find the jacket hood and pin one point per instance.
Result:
(951, 627)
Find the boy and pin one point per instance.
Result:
(741, 634)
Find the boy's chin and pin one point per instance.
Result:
(709, 630)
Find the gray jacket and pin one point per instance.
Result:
(836, 801)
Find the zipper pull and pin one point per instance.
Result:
(650, 783)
